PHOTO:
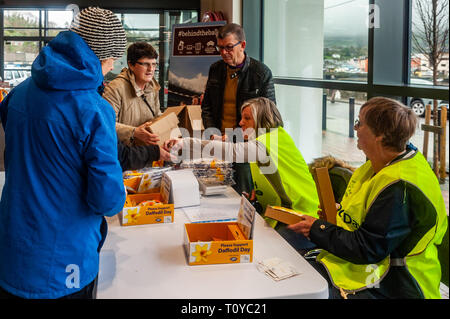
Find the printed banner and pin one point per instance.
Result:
(193, 51)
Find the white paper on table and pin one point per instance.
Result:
(277, 269)
(212, 213)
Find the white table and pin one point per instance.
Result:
(148, 261)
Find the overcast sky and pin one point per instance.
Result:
(346, 17)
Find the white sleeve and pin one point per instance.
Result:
(243, 152)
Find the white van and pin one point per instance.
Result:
(15, 77)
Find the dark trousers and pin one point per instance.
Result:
(298, 241)
(88, 292)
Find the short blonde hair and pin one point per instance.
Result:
(265, 113)
(392, 120)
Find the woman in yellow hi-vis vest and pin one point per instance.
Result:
(280, 174)
(391, 217)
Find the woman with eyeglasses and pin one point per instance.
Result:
(391, 218)
(134, 95)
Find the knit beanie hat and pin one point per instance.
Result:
(102, 31)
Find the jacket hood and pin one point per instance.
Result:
(67, 63)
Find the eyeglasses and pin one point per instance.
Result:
(357, 124)
(227, 48)
(154, 65)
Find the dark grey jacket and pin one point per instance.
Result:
(136, 157)
(255, 80)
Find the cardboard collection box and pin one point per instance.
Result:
(149, 208)
(221, 243)
(146, 180)
(156, 193)
(284, 215)
(147, 201)
(167, 126)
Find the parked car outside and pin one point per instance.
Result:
(418, 104)
(15, 77)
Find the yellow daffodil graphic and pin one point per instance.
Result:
(146, 184)
(132, 215)
(201, 253)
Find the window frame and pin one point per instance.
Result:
(403, 90)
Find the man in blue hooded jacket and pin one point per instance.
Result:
(62, 174)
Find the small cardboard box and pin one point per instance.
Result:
(221, 243)
(325, 192)
(150, 213)
(284, 215)
(166, 127)
(189, 116)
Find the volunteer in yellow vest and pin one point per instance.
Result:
(391, 218)
(279, 172)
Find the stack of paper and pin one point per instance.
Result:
(277, 269)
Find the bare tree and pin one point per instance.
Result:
(431, 39)
(431, 31)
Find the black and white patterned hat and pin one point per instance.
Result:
(102, 31)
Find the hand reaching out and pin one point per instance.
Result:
(165, 155)
(176, 144)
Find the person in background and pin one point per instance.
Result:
(62, 174)
(134, 95)
(280, 173)
(231, 81)
(390, 219)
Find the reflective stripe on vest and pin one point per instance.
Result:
(361, 192)
(294, 173)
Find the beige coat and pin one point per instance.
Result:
(126, 98)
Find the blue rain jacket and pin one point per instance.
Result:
(62, 174)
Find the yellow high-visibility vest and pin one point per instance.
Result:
(296, 179)
(422, 261)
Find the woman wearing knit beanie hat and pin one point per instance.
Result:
(103, 33)
(61, 144)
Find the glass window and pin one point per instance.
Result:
(141, 21)
(301, 111)
(345, 40)
(21, 32)
(59, 19)
(20, 53)
(422, 43)
(8, 75)
(317, 39)
(336, 140)
(418, 104)
(15, 18)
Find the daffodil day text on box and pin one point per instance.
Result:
(221, 243)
